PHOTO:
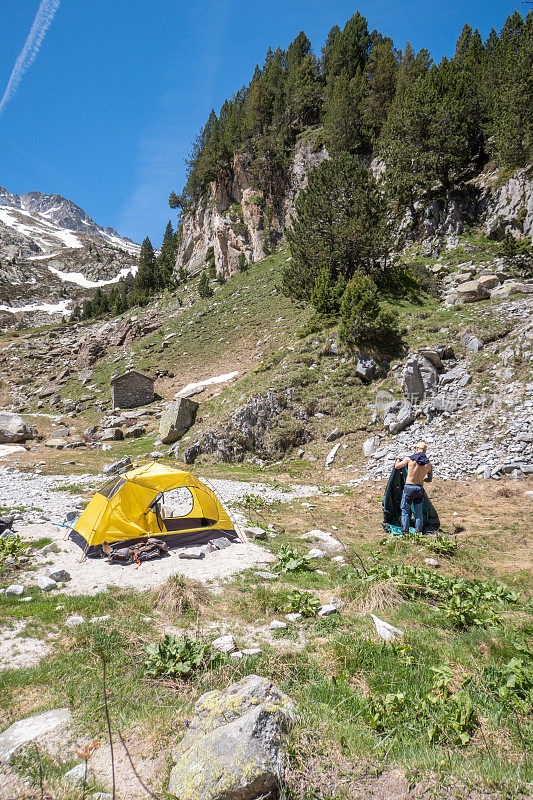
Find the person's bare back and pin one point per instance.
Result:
(416, 473)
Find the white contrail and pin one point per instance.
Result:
(28, 54)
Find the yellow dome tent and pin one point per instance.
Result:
(152, 499)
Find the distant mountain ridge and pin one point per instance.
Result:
(62, 212)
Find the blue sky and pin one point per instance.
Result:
(108, 111)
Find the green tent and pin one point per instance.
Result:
(392, 501)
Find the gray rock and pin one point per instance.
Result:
(336, 433)
(192, 552)
(255, 532)
(176, 419)
(330, 458)
(369, 445)
(327, 610)
(221, 543)
(431, 562)
(277, 625)
(53, 547)
(489, 281)
(14, 429)
(111, 435)
(419, 377)
(46, 584)
(59, 575)
(404, 418)
(365, 368)
(252, 651)
(31, 729)
(112, 469)
(233, 747)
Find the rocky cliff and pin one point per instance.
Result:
(235, 217)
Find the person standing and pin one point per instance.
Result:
(419, 469)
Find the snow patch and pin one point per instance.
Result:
(7, 449)
(48, 308)
(196, 388)
(80, 280)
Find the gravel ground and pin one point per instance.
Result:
(41, 497)
(94, 575)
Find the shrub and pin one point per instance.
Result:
(365, 323)
(242, 264)
(204, 288)
(175, 657)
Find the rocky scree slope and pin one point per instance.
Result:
(51, 255)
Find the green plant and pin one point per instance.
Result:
(301, 602)
(13, 547)
(204, 288)
(174, 657)
(364, 322)
(512, 684)
(290, 560)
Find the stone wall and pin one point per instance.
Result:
(131, 391)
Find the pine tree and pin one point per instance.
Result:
(146, 279)
(242, 264)
(167, 257)
(365, 324)
(204, 287)
(331, 228)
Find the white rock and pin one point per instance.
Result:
(255, 532)
(79, 774)
(386, 631)
(326, 610)
(15, 590)
(337, 602)
(330, 458)
(431, 562)
(237, 655)
(46, 584)
(252, 651)
(53, 547)
(293, 617)
(277, 625)
(97, 620)
(224, 644)
(30, 729)
(315, 553)
(74, 620)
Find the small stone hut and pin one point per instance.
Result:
(132, 389)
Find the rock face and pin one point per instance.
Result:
(14, 429)
(236, 218)
(266, 425)
(176, 419)
(233, 747)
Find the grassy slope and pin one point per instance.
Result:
(330, 666)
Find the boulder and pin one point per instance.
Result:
(433, 356)
(233, 747)
(111, 435)
(419, 377)
(489, 281)
(80, 775)
(14, 429)
(402, 420)
(176, 419)
(471, 291)
(224, 644)
(46, 584)
(369, 445)
(510, 287)
(31, 729)
(366, 368)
